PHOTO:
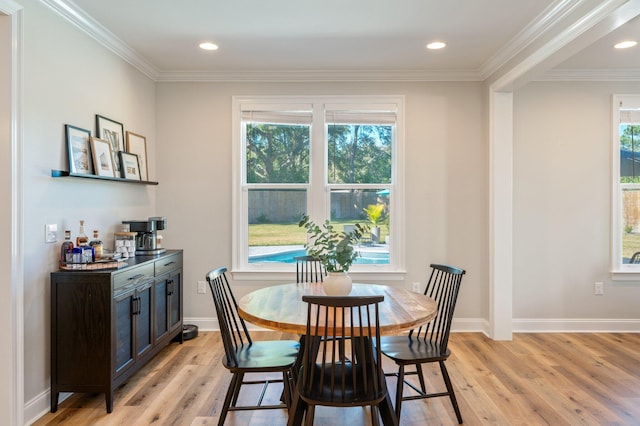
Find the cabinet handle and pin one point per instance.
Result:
(136, 306)
(170, 263)
(135, 277)
(169, 287)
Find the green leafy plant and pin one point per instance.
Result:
(333, 248)
(374, 213)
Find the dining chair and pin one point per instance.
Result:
(428, 343)
(331, 377)
(635, 258)
(309, 269)
(242, 355)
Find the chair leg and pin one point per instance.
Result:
(296, 412)
(287, 389)
(374, 416)
(236, 390)
(421, 378)
(452, 395)
(227, 400)
(308, 419)
(399, 387)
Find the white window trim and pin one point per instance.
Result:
(241, 270)
(619, 271)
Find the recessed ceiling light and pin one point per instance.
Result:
(208, 46)
(436, 45)
(625, 44)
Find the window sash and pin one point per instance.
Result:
(365, 110)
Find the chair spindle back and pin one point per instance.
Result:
(309, 270)
(443, 286)
(340, 364)
(232, 328)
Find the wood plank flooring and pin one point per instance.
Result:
(536, 379)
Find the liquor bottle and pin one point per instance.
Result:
(82, 239)
(97, 245)
(66, 247)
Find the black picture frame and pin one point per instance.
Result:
(113, 132)
(130, 166)
(79, 149)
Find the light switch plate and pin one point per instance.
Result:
(51, 233)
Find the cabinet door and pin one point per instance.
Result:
(143, 319)
(161, 304)
(175, 300)
(124, 344)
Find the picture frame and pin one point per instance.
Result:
(102, 157)
(129, 166)
(112, 132)
(137, 144)
(78, 149)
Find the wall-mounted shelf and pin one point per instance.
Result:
(63, 173)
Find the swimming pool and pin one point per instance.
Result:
(367, 257)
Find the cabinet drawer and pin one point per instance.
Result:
(131, 277)
(167, 264)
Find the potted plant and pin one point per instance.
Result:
(335, 251)
(374, 214)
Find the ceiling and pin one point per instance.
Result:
(345, 37)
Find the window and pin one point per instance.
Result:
(626, 190)
(334, 158)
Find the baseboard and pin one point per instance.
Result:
(37, 407)
(564, 325)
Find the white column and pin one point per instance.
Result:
(500, 215)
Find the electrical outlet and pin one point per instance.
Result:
(598, 288)
(51, 233)
(416, 288)
(202, 287)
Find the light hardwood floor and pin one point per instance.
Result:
(536, 379)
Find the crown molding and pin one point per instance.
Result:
(71, 12)
(567, 74)
(534, 30)
(318, 75)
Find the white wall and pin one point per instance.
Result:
(445, 174)
(562, 196)
(68, 78)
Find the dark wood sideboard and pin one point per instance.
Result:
(105, 325)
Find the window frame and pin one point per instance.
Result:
(318, 191)
(620, 271)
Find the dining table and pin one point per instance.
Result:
(280, 307)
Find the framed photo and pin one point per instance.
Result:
(112, 132)
(137, 144)
(78, 148)
(129, 165)
(102, 157)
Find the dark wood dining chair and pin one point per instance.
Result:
(309, 269)
(428, 343)
(242, 355)
(635, 258)
(341, 375)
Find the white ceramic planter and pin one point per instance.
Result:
(337, 284)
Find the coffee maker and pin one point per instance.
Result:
(147, 235)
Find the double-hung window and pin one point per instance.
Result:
(333, 158)
(626, 188)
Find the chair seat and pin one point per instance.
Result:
(265, 355)
(336, 396)
(405, 350)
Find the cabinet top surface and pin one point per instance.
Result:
(132, 261)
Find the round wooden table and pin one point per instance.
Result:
(281, 308)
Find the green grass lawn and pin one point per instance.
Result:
(630, 244)
(271, 234)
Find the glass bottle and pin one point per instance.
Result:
(66, 247)
(97, 245)
(82, 239)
